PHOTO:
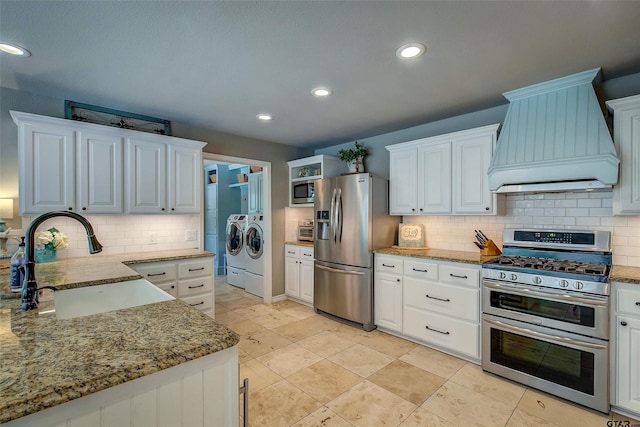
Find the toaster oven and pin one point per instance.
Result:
(306, 231)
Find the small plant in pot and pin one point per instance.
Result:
(354, 157)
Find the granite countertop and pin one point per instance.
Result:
(300, 243)
(45, 361)
(439, 254)
(619, 273)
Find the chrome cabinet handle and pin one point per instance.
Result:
(435, 330)
(459, 277)
(439, 299)
(638, 303)
(245, 404)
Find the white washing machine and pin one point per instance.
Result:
(236, 255)
(254, 248)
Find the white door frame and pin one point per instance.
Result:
(266, 204)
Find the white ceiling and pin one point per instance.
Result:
(217, 64)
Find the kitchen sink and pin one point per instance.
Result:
(77, 302)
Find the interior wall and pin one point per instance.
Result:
(377, 162)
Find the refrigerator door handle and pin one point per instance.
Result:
(339, 217)
(336, 270)
(332, 226)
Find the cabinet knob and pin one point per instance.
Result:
(70, 208)
(397, 280)
(162, 209)
(638, 303)
(173, 209)
(420, 209)
(84, 208)
(413, 209)
(623, 323)
(486, 209)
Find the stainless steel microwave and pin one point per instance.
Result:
(302, 191)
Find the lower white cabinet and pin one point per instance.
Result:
(190, 280)
(626, 330)
(298, 273)
(434, 302)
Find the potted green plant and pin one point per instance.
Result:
(354, 157)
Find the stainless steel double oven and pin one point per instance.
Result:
(545, 319)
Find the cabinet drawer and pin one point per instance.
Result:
(456, 335)
(202, 267)
(388, 264)
(171, 288)
(628, 302)
(421, 269)
(460, 276)
(306, 253)
(292, 251)
(195, 286)
(200, 302)
(445, 299)
(158, 272)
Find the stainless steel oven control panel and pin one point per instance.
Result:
(555, 282)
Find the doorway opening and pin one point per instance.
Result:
(238, 187)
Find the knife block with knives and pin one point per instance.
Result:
(486, 245)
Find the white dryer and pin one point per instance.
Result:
(254, 248)
(236, 255)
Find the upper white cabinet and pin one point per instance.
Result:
(312, 168)
(255, 193)
(163, 178)
(626, 137)
(62, 167)
(94, 169)
(445, 174)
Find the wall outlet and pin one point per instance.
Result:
(152, 238)
(190, 235)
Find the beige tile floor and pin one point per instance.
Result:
(307, 370)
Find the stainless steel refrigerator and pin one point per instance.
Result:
(351, 220)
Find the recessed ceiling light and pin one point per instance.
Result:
(265, 117)
(411, 50)
(14, 49)
(321, 91)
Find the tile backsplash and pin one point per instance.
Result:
(292, 216)
(125, 233)
(579, 210)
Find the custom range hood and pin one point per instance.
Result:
(554, 138)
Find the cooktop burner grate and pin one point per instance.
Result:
(562, 266)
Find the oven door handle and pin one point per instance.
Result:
(600, 302)
(559, 340)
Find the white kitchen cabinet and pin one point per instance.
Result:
(298, 273)
(163, 177)
(388, 293)
(435, 303)
(445, 174)
(626, 137)
(94, 169)
(626, 389)
(100, 167)
(312, 168)
(471, 160)
(255, 193)
(190, 280)
(62, 167)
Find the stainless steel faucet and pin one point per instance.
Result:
(29, 286)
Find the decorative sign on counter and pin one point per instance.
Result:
(411, 236)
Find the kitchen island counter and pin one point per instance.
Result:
(45, 361)
(439, 254)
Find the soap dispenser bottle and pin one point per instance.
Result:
(16, 276)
